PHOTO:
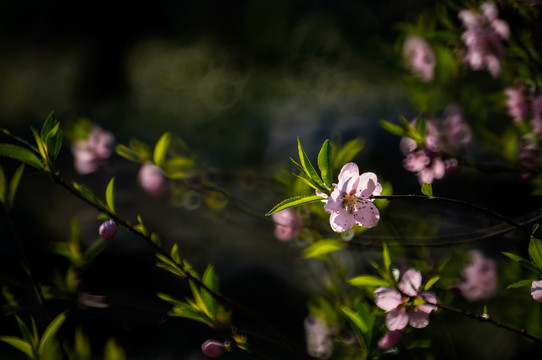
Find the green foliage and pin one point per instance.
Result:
(21, 154)
(322, 247)
(31, 344)
(294, 202)
(346, 153)
(113, 351)
(427, 190)
(109, 195)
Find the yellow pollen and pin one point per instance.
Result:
(350, 202)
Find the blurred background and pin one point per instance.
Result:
(238, 81)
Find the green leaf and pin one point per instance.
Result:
(19, 344)
(113, 351)
(161, 149)
(50, 332)
(355, 319)
(347, 152)
(48, 126)
(427, 190)
(21, 154)
(523, 262)
(209, 279)
(521, 283)
(392, 128)
(295, 201)
(3, 186)
(14, 185)
(81, 345)
(368, 281)
(535, 252)
(386, 259)
(324, 163)
(308, 168)
(126, 152)
(431, 282)
(109, 195)
(25, 332)
(322, 247)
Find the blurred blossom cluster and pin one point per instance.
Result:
(92, 152)
(480, 278)
(444, 139)
(287, 224)
(318, 337)
(152, 179)
(419, 57)
(483, 38)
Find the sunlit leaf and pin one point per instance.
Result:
(161, 149)
(28, 336)
(50, 332)
(324, 163)
(81, 345)
(535, 251)
(19, 344)
(209, 279)
(368, 281)
(14, 185)
(519, 284)
(308, 168)
(126, 152)
(523, 262)
(323, 247)
(109, 195)
(295, 201)
(347, 152)
(113, 351)
(21, 154)
(431, 282)
(427, 190)
(392, 128)
(386, 259)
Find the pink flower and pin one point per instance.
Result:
(350, 202)
(480, 278)
(287, 224)
(212, 348)
(518, 103)
(407, 306)
(152, 179)
(483, 38)
(419, 57)
(391, 339)
(455, 134)
(428, 168)
(108, 229)
(318, 338)
(536, 290)
(91, 153)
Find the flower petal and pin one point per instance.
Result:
(366, 185)
(341, 221)
(348, 170)
(536, 290)
(387, 299)
(410, 282)
(430, 298)
(418, 319)
(390, 339)
(366, 214)
(396, 320)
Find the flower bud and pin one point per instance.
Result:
(212, 348)
(108, 229)
(152, 179)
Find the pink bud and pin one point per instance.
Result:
(108, 229)
(212, 348)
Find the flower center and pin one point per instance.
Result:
(350, 202)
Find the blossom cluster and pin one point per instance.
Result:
(444, 138)
(92, 152)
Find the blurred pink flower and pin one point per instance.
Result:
(287, 224)
(483, 38)
(480, 278)
(406, 306)
(518, 103)
(212, 348)
(391, 339)
(536, 121)
(536, 290)
(350, 202)
(419, 57)
(152, 179)
(318, 338)
(91, 153)
(454, 133)
(428, 168)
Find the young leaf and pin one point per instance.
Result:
(322, 247)
(209, 279)
(19, 344)
(392, 128)
(50, 332)
(427, 190)
(307, 166)
(295, 201)
(21, 154)
(14, 185)
(109, 195)
(126, 152)
(113, 351)
(386, 259)
(324, 163)
(368, 281)
(520, 283)
(47, 126)
(431, 282)
(347, 152)
(535, 252)
(161, 149)
(523, 262)
(25, 332)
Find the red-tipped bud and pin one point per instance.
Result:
(108, 229)
(212, 348)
